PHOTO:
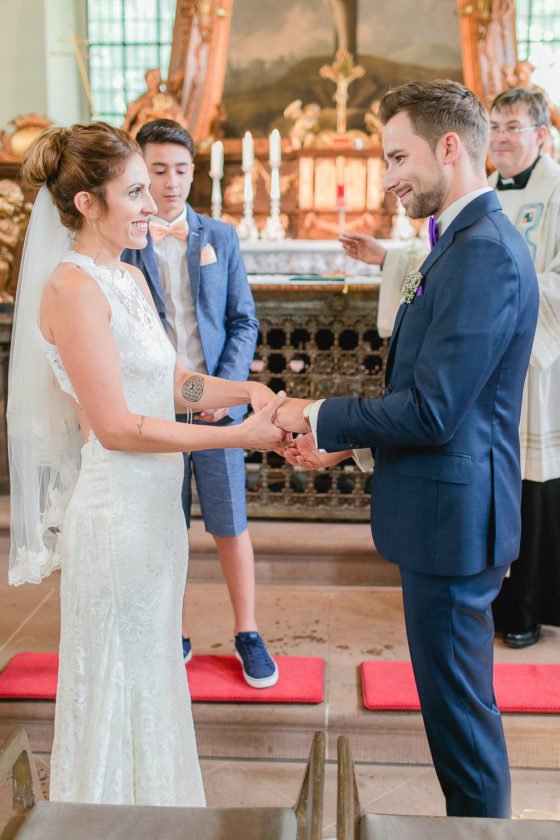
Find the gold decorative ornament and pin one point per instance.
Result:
(27, 128)
(14, 215)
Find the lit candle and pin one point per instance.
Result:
(275, 147)
(248, 150)
(217, 160)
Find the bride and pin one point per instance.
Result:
(96, 470)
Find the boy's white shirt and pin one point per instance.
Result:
(180, 310)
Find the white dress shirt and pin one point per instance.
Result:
(182, 327)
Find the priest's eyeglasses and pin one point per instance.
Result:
(511, 130)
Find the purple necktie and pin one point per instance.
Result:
(433, 234)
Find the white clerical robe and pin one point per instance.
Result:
(535, 211)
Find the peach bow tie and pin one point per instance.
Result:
(180, 230)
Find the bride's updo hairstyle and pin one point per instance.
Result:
(82, 158)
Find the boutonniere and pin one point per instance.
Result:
(412, 286)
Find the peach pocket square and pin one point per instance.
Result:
(208, 255)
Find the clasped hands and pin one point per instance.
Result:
(286, 414)
(302, 451)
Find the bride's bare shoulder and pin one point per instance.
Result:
(68, 279)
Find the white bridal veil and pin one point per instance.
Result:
(43, 435)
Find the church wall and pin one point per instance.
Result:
(22, 68)
(34, 77)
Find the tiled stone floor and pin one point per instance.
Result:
(304, 619)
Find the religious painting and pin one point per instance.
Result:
(276, 50)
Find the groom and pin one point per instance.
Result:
(446, 487)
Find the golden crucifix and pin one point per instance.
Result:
(342, 72)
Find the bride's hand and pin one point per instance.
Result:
(259, 395)
(259, 432)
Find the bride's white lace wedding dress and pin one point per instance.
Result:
(123, 723)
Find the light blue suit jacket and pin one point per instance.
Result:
(447, 485)
(225, 310)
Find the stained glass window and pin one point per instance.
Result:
(126, 38)
(538, 41)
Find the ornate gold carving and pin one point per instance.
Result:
(159, 101)
(14, 215)
(488, 42)
(481, 11)
(13, 146)
(199, 53)
(305, 123)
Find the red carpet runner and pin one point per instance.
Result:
(212, 679)
(533, 689)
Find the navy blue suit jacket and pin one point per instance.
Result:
(225, 310)
(447, 486)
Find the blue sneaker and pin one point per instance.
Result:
(187, 650)
(259, 668)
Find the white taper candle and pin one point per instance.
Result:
(248, 150)
(274, 147)
(217, 159)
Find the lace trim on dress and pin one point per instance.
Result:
(55, 361)
(34, 566)
(121, 283)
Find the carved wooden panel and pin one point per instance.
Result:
(314, 343)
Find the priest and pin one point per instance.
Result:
(527, 183)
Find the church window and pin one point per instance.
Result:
(538, 41)
(126, 38)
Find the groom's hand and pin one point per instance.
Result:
(289, 415)
(303, 453)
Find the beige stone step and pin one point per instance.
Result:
(290, 552)
(300, 552)
(283, 731)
